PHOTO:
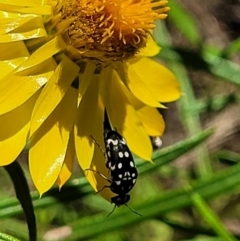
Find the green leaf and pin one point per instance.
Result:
(23, 194)
(204, 239)
(184, 22)
(171, 153)
(167, 201)
(188, 103)
(207, 58)
(80, 187)
(232, 49)
(210, 217)
(6, 237)
(16, 227)
(222, 67)
(230, 157)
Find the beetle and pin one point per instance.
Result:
(122, 169)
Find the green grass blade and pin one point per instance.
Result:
(187, 103)
(232, 49)
(222, 67)
(6, 237)
(210, 217)
(230, 157)
(184, 22)
(172, 200)
(16, 228)
(204, 239)
(80, 187)
(171, 153)
(204, 59)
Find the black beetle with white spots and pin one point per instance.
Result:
(122, 170)
(120, 163)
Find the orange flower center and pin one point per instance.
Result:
(109, 30)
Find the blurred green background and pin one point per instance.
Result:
(193, 190)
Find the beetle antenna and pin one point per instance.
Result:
(111, 211)
(133, 210)
(104, 177)
(96, 143)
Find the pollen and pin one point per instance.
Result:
(108, 30)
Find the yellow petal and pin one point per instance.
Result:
(12, 55)
(14, 131)
(152, 120)
(151, 48)
(53, 92)
(66, 170)
(24, 2)
(41, 10)
(36, 33)
(49, 144)
(15, 90)
(13, 21)
(95, 179)
(160, 81)
(138, 87)
(42, 54)
(89, 123)
(124, 117)
(85, 79)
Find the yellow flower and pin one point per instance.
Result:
(62, 63)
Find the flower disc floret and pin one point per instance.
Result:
(110, 29)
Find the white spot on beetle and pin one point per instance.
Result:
(114, 142)
(119, 165)
(120, 176)
(118, 182)
(132, 164)
(123, 141)
(120, 154)
(126, 154)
